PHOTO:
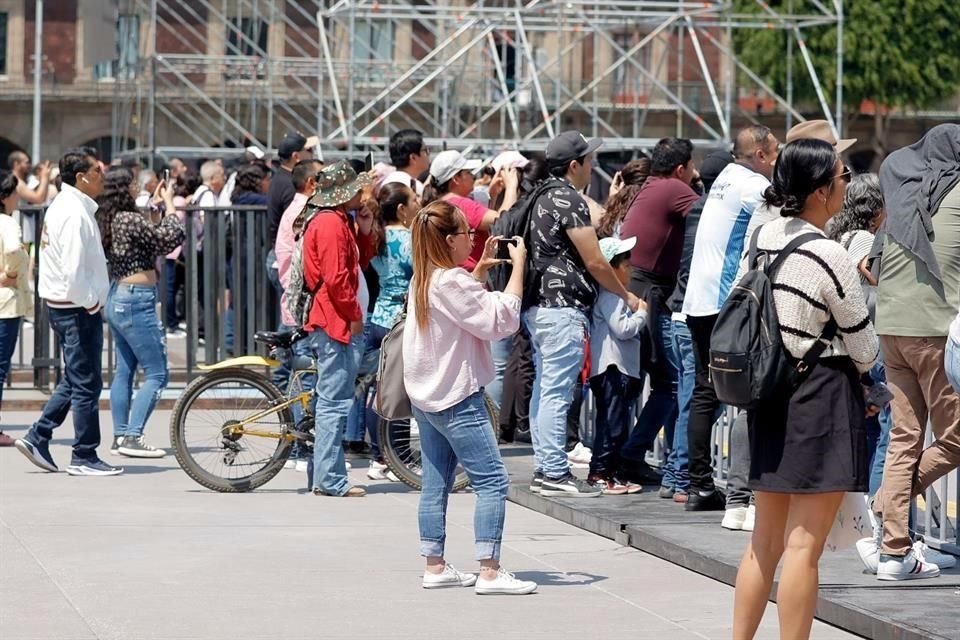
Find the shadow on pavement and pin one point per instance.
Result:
(560, 578)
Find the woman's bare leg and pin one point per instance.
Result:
(808, 523)
(759, 563)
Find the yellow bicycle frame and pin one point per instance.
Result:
(258, 361)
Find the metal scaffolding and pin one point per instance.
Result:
(482, 75)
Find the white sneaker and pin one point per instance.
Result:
(450, 577)
(869, 552)
(734, 518)
(750, 519)
(504, 584)
(909, 567)
(349, 466)
(378, 471)
(301, 466)
(932, 556)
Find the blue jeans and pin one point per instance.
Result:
(81, 340)
(675, 469)
(660, 410)
(139, 339)
(952, 361)
(9, 332)
(501, 350)
(337, 365)
(461, 433)
(362, 418)
(878, 434)
(558, 336)
(615, 394)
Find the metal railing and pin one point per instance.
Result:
(227, 297)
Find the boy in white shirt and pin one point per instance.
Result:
(74, 284)
(616, 379)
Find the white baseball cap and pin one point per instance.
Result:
(612, 247)
(510, 160)
(447, 164)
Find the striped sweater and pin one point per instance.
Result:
(816, 282)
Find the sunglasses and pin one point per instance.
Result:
(845, 175)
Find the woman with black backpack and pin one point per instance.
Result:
(808, 446)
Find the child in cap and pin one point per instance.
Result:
(615, 366)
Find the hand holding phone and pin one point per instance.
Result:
(503, 248)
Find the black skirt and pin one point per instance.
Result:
(815, 441)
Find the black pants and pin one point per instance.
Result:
(517, 385)
(703, 406)
(615, 395)
(573, 415)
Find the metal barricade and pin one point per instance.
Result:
(227, 298)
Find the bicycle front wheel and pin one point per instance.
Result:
(400, 447)
(227, 433)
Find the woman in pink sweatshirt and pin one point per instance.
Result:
(451, 321)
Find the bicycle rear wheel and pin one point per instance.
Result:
(210, 430)
(400, 447)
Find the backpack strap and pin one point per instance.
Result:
(848, 241)
(793, 245)
(754, 253)
(812, 356)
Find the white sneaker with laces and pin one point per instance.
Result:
(378, 471)
(932, 556)
(734, 517)
(505, 584)
(909, 567)
(392, 477)
(449, 577)
(751, 518)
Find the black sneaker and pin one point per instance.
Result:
(536, 482)
(715, 501)
(115, 445)
(38, 454)
(569, 486)
(93, 468)
(641, 473)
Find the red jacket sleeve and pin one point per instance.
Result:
(367, 250)
(330, 255)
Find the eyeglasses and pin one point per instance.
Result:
(470, 233)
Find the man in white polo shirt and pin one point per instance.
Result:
(74, 284)
(721, 235)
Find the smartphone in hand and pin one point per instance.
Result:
(503, 248)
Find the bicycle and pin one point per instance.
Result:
(223, 416)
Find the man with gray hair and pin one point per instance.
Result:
(148, 183)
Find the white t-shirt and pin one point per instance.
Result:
(721, 238)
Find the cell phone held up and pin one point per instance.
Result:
(503, 248)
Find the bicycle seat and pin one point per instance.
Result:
(276, 339)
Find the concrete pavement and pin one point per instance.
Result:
(152, 555)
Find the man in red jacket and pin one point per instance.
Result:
(332, 260)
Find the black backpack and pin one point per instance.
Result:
(748, 362)
(515, 221)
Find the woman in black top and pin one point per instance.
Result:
(132, 243)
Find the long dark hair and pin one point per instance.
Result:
(386, 210)
(634, 174)
(114, 199)
(862, 202)
(187, 183)
(433, 191)
(803, 166)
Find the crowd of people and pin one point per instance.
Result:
(509, 280)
